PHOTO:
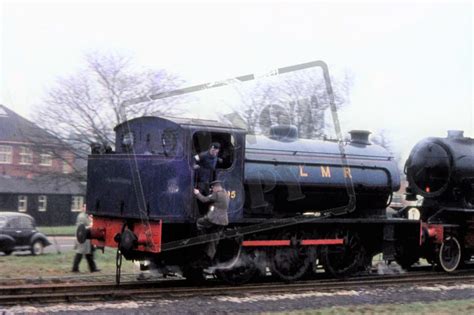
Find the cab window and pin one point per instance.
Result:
(203, 139)
(150, 139)
(169, 142)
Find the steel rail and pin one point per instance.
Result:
(154, 290)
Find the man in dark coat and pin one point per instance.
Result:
(84, 249)
(205, 166)
(216, 218)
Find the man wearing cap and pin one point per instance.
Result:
(216, 218)
(205, 164)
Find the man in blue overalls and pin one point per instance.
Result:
(205, 166)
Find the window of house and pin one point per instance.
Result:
(66, 167)
(5, 154)
(42, 203)
(76, 203)
(46, 159)
(26, 155)
(22, 203)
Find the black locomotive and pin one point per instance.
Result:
(441, 170)
(295, 203)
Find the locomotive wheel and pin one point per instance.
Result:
(194, 270)
(194, 275)
(450, 254)
(235, 265)
(290, 263)
(344, 260)
(407, 256)
(241, 271)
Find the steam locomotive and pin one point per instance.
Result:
(295, 204)
(441, 170)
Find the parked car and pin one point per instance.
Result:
(18, 232)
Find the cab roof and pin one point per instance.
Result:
(188, 123)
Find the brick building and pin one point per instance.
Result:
(35, 172)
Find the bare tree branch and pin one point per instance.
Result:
(84, 107)
(299, 99)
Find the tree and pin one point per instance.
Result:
(299, 100)
(382, 138)
(84, 107)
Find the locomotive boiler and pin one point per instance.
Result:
(442, 170)
(285, 175)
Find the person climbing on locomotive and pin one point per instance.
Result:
(205, 166)
(216, 218)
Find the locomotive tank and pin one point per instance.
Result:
(151, 176)
(284, 174)
(442, 169)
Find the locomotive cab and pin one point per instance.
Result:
(230, 168)
(151, 177)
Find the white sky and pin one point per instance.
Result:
(412, 63)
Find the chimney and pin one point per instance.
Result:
(360, 136)
(455, 134)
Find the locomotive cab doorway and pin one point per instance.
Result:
(203, 139)
(229, 168)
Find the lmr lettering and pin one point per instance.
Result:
(325, 172)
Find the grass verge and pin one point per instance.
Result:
(441, 307)
(69, 230)
(57, 265)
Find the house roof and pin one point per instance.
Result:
(46, 185)
(15, 128)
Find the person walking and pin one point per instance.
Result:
(84, 249)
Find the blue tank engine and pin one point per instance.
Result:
(150, 174)
(283, 194)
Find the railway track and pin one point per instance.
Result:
(94, 292)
